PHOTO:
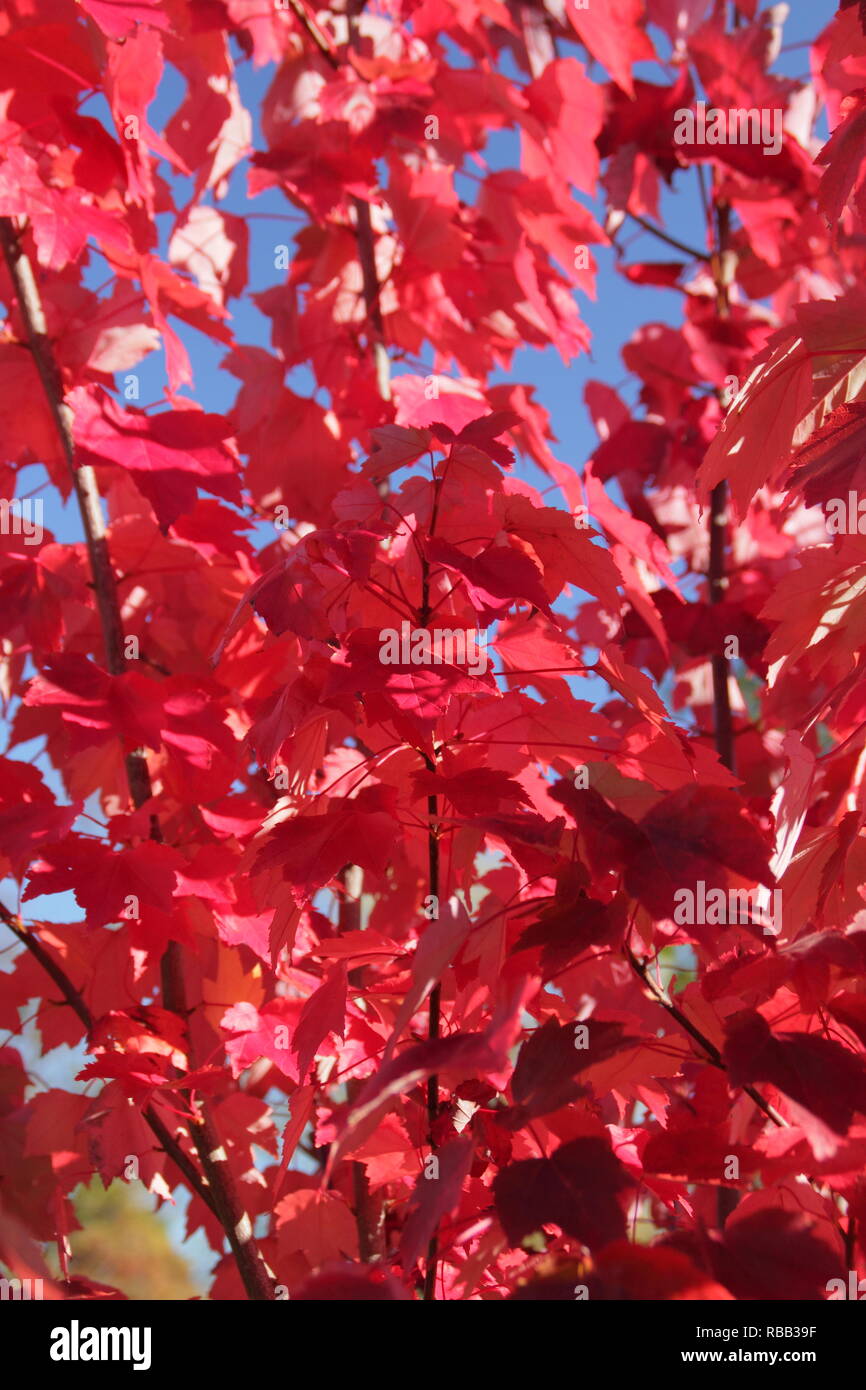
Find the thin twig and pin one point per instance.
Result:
(717, 1060)
(712, 1053)
(662, 235)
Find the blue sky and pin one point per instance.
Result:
(617, 311)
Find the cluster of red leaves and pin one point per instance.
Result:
(340, 840)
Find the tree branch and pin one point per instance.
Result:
(369, 1213)
(723, 724)
(363, 225)
(229, 1208)
(717, 1060)
(433, 1020)
(718, 521)
(372, 290)
(709, 1048)
(369, 1210)
(77, 1004)
(435, 1002)
(224, 1203)
(83, 477)
(662, 235)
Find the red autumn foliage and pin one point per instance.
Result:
(389, 813)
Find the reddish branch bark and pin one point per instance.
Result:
(224, 1199)
(76, 1002)
(723, 726)
(369, 1216)
(718, 520)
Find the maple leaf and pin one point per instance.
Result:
(698, 1154)
(549, 1061)
(459, 1054)
(829, 464)
(30, 432)
(383, 899)
(472, 790)
(785, 1251)
(349, 1283)
(456, 405)
(301, 1109)
(62, 219)
(396, 447)
(93, 703)
(613, 35)
(412, 695)
(844, 174)
(311, 849)
(566, 929)
(577, 1189)
(566, 110)
(435, 951)
(633, 1272)
(169, 455)
(140, 1081)
(819, 613)
(799, 1064)
(264, 1033)
(318, 1223)
(29, 818)
(110, 886)
(323, 1013)
(432, 1200)
(797, 381)
(696, 833)
(212, 246)
(495, 578)
(118, 18)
